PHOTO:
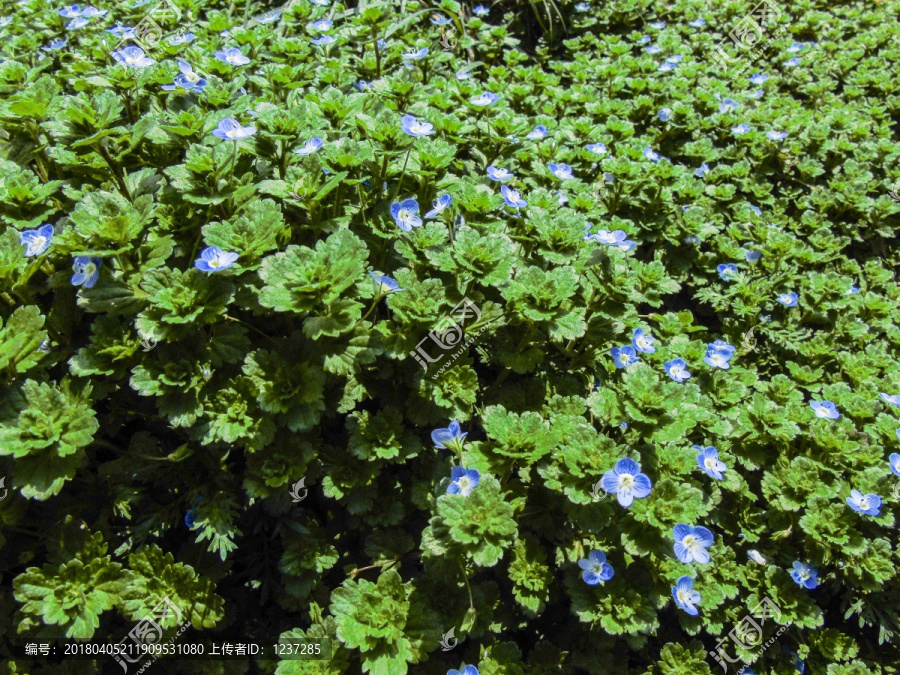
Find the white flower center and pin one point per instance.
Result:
(626, 481)
(708, 463)
(689, 541)
(684, 597)
(38, 242)
(863, 503)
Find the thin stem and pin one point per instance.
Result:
(385, 564)
(402, 173)
(466, 579)
(251, 327)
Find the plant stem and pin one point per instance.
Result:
(402, 173)
(466, 579)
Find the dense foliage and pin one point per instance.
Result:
(677, 392)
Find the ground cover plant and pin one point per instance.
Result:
(495, 339)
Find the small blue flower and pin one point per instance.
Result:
(853, 290)
(485, 98)
(230, 129)
(675, 59)
(191, 516)
(539, 132)
(70, 11)
(685, 596)
(691, 240)
(893, 399)
(450, 437)
(788, 299)
(498, 174)
(438, 206)
(87, 271)
(651, 154)
(708, 461)
(77, 22)
(722, 346)
(186, 79)
(320, 3)
(91, 12)
(321, 25)
(653, 49)
(123, 32)
(623, 356)
(657, 25)
(702, 170)
(614, 238)
(727, 271)
(728, 105)
(406, 214)
(666, 67)
(561, 171)
(677, 370)
(740, 129)
(481, 10)
(132, 56)
(758, 78)
(643, 40)
(597, 148)
(233, 56)
(776, 135)
(464, 481)
(416, 55)
(5, 21)
(269, 17)
(664, 114)
(561, 198)
(691, 543)
(718, 358)
(805, 575)
(463, 75)
(181, 39)
(825, 409)
(869, 504)
(894, 460)
(214, 259)
(512, 197)
(55, 45)
(697, 23)
(750, 255)
(414, 127)
(467, 670)
(36, 241)
(642, 342)
(312, 145)
(440, 19)
(796, 47)
(324, 40)
(386, 285)
(596, 569)
(756, 210)
(756, 94)
(790, 63)
(627, 482)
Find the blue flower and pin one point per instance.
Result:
(406, 214)
(722, 346)
(498, 174)
(790, 63)
(796, 47)
(685, 596)
(805, 575)
(673, 60)
(361, 85)
(416, 55)
(869, 504)
(853, 290)
(893, 399)
(77, 22)
(322, 25)
(123, 32)
(691, 240)
(596, 569)
(651, 154)
(440, 19)
(644, 39)
(677, 370)
(233, 56)
(727, 271)
(614, 238)
(756, 210)
(70, 11)
(825, 409)
(386, 285)
(464, 481)
(538, 133)
(485, 98)
(691, 543)
(186, 79)
(894, 460)
(312, 145)
(750, 255)
(450, 437)
(718, 355)
(481, 10)
(657, 25)
(214, 259)
(91, 12)
(56, 44)
(269, 17)
(623, 356)
(230, 129)
(561, 198)
(512, 197)
(664, 114)
(36, 241)
(132, 56)
(561, 171)
(666, 67)
(697, 23)
(776, 135)
(181, 39)
(728, 104)
(463, 75)
(788, 299)
(708, 460)
(414, 127)
(582, 7)
(702, 171)
(740, 129)
(87, 271)
(627, 482)
(756, 94)
(653, 49)
(191, 516)
(758, 78)
(642, 342)
(597, 148)
(320, 3)
(323, 40)
(439, 205)
(467, 670)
